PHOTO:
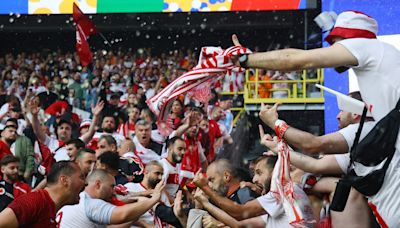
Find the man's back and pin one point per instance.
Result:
(88, 213)
(378, 73)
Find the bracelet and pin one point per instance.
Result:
(280, 128)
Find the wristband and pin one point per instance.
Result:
(280, 128)
(243, 60)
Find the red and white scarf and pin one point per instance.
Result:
(214, 63)
(281, 183)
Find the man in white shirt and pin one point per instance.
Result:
(153, 174)
(146, 148)
(376, 66)
(264, 211)
(94, 209)
(172, 165)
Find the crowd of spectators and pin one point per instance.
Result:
(84, 143)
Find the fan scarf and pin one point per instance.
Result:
(213, 63)
(281, 183)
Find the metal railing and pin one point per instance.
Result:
(297, 90)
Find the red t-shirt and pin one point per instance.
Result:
(4, 149)
(191, 160)
(214, 132)
(35, 209)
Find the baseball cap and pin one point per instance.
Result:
(353, 24)
(85, 123)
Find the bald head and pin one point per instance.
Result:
(100, 185)
(221, 174)
(98, 175)
(126, 146)
(222, 165)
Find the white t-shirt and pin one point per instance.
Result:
(149, 217)
(378, 75)
(349, 133)
(172, 175)
(276, 217)
(145, 154)
(59, 153)
(88, 213)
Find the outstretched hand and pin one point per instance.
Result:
(96, 110)
(200, 197)
(268, 141)
(235, 59)
(235, 40)
(269, 115)
(178, 204)
(34, 107)
(200, 180)
(159, 189)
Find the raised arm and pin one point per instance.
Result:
(333, 143)
(96, 116)
(252, 208)
(190, 120)
(224, 217)
(324, 165)
(34, 109)
(296, 59)
(133, 211)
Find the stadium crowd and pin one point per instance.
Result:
(80, 148)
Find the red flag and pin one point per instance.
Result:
(82, 47)
(84, 28)
(83, 21)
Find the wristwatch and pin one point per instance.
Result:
(243, 60)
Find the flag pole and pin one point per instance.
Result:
(105, 39)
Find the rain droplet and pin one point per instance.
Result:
(203, 26)
(11, 13)
(147, 36)
(174, 42)
(138, 18)
(11, 20)
(105, 42)
(159, 37)
(104, 52)
(105, 17)
(112, 41)
(177, 36)
(18, 15)
(205, 19)
(120, 39)
(137, 33)
(67, 21)
(1, 26)
(116, 40)
(193, 31)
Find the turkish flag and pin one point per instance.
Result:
(84, 28)
(84, 21)
(82, 47)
